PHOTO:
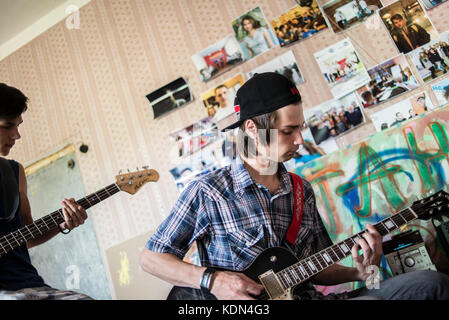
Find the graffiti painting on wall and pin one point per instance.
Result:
(382, 175)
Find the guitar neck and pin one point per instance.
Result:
(19, 237)
(309, 267)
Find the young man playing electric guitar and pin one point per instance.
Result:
(19, 280)
(237, 212)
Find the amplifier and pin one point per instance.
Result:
(407, 252)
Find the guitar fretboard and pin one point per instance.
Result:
(307, 268)
(19, 237)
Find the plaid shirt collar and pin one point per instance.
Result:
(242, 179)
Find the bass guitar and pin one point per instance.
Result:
(129, 182)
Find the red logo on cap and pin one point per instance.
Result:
(237, 108)
(294, 91)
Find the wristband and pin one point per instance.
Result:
(206, 280)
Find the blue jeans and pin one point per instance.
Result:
(416, 285)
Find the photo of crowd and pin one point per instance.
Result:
(334, 118)
(301, 22)
(342, 68)
(408, 25)
(432, 60)
(441, 91)
(218, 58)
(387, 80)
(219, 101)
(344, 14)
(254, 33)
(284, 64)
(402, 111)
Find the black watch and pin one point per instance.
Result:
(206, 280)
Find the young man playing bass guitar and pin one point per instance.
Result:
(19, 280)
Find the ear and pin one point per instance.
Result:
(251, 129)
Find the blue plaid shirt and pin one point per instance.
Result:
(233, 219)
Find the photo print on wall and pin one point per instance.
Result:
(284, 64)
(344, 14)
(432, 59)
(333, 118)
(441, 91)
(169, 97)
(219, 101)
(299, 23)
(218, 58)
(254, 33)
(408, 25)
(388, 79)
(402, 111)
(342, 68)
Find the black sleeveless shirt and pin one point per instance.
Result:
(16, 270)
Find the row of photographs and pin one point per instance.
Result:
(405, 20)
(325, 123)
(343, 71)
(340, 63)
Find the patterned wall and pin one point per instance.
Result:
(88, 85)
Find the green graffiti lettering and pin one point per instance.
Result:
(423, 158)
(372, 169)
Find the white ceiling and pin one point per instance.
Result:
(23, 20)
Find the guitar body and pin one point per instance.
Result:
(270, 260)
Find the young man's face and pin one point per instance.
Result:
(9, 133)
(399, 23)
(289, 122)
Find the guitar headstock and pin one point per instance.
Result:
(433, 205)
(131, 182)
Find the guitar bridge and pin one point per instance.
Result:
(272, 285)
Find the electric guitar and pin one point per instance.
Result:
(129, 182)
(279, 271)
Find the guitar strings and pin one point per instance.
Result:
(52, 219)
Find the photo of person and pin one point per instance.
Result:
(284, 64)
(196, 136)
(402, 111)
(344, 14)
(219, 101)
(301, 22)
(218, 58)
(253, 33)
(441, 91)
(429, 4)
(387, 80)
(334, 118)
(169, 97)
(432, 59)
(342, 68)
(408, 25)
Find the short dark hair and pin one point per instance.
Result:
(397, 16)
(12, 102)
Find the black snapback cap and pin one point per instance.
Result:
(263, 93)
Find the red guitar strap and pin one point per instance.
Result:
(298, 194)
